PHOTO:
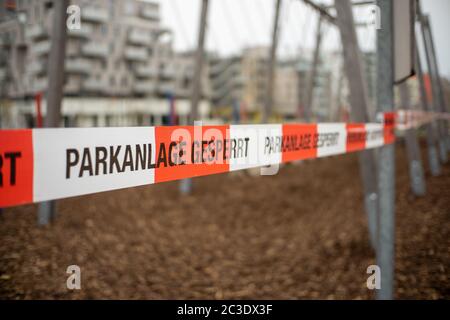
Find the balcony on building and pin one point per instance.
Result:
(167, 73)
(150, 12)
(37, 67)
(96, 50)
(137, 37)
(228, 74)
(83, 32)
(40, 84)
(144, 87)
(136, 53)
(94, 85)
(94, 15)
(78, 66)
(145, 72)
(72, 85)
(41, 48)
(165, 88)
(233, 85)
(222, 65)
(36, 32)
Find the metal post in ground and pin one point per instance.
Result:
(434, 78)
(442, 102)
(236, 111)
(353, 66)
(431, 130)
(186, 184)
(46, 210)
(416, 175)
(386, 156)
(272, 62)
(312, 74)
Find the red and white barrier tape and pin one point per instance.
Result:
(46, 164)
(407, 119)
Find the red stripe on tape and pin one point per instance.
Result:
(16, 167)
(299, 142)
(191, 151)
(356, 137)
(389, 126)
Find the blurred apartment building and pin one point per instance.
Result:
(243, 79)
(121, 50)
(240, 79)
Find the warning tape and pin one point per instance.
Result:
(408, 119)
(47, 164)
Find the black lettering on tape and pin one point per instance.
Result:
(100, 159)
(113, 161)
(71, 162)
(162, 156)
(141, 157)
(128, 159)
(12, 165)
(86, 163)
(171, 146)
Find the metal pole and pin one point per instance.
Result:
(322, 10)
(199, 56)
(336, 114)
(272, 59)
(236, 111)
(442, 101)
(417, 178)
(386, 178)
(186, 184)
(434, 77)
(312, 75)
(46, 210)
(359, 106)
(431, 133)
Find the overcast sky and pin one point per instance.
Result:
(236, 24)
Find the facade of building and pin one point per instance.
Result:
(322, 88)
(239, 79)
(287, 91)
(243, 79)
(184, 65)
(120, 50)
(225, 75)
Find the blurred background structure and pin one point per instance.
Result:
(120, 65)
(125, 62)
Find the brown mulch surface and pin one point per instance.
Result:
(299, 234)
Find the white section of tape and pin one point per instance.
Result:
(76, 161)
(332, 139)
(264, 145)
(374, 135)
